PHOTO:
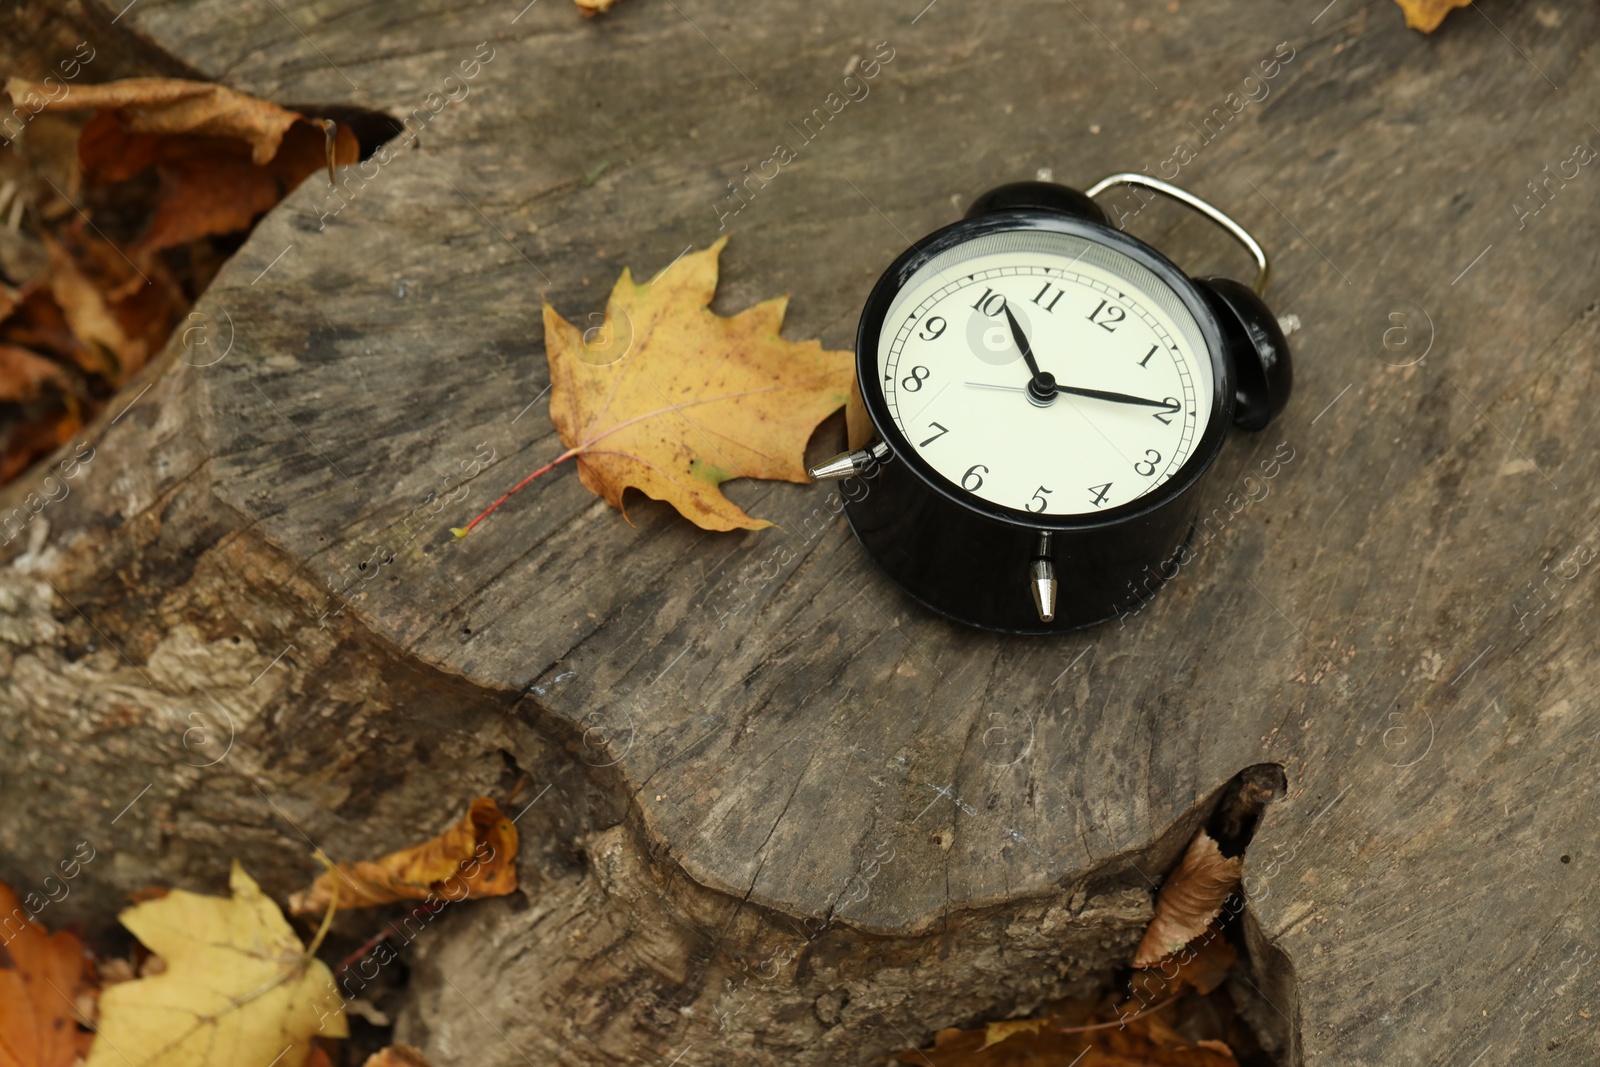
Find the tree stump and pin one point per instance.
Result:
(778, 814)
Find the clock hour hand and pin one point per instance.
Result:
(1042, 386)
(1021, 341)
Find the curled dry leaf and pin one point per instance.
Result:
(169, 106)
(1201, 965)
(238, 990)
(591, 8)
(1191, 896)
(42, 977)
(672, 399)
(397, 1056)
(222, 157)
(474, 858)
(1425, 15)
(24, 375)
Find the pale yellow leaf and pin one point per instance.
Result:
(671, 399)
(238, 990)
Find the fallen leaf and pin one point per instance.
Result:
(1202, 965)
(239, 989)
(23, 375)
(174, 106)
(479, 852)
(26, 441)
(107, 347)
(1425, 15)
(1191, 896)
(692, 400)
(42, 977)
(223, 158)
(994, 1033)
(1071, 1034)
(397, 1056)
(591, 8)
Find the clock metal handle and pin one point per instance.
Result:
(1240, 234)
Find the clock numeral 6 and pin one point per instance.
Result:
(912, 383)
(931, 331)
(972, 481)
(991, 303)
(1173, 407)
(1107, 322)
(1152, 458)
(1100, 493)
(1039, 498)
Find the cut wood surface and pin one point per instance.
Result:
(250, 621)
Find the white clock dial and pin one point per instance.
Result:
(1133, 378)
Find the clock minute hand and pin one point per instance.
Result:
(1095, 394)
(1117, 398)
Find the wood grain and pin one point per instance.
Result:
(767, 734)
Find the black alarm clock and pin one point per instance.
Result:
(1046, 394)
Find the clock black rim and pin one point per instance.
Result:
(894, 279)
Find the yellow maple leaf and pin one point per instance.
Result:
(239, 989)
(1425, 15)
(669, 398)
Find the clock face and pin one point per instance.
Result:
(1124, 388)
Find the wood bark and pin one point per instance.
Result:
(786, 816)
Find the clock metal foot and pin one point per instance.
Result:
(1042, 579)
(846, 464)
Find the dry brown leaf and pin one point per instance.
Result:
(1071, 1034)
(174, 106)
(1425, 15)
(223, 157)
(42, 977)
(27, 441)
(23, 375)
(1201, 965)
(1191, 896)
(479, 852)
(107, 347)
(397, 1056)
(994, 1033)
(591, 8)
(672, 399)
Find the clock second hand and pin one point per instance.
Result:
(1096, 394)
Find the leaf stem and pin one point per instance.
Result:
(333, 906)
(1122, 1020)
(462, 531)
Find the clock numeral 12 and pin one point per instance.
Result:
(1113, 316)
(1100, 493)
(935, 437)
(1053, 300)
